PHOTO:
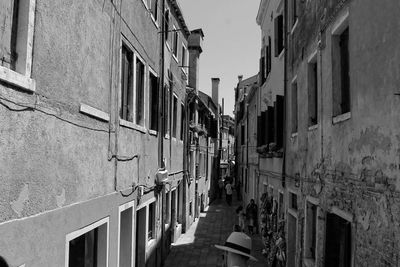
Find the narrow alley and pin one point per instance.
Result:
(196, 246)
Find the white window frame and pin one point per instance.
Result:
(153, 72)
(175, 33)
(122, 208)
(155, 20)
(22, 77)
(133, 124)
(77, 233)
(169, 26)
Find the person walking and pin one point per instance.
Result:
(228, 188)
(237, 249)
(241, 217)
(220, 187)
(251, 214)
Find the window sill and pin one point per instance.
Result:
(154, 21)
(281, 54)
(145, 4)
(167, 136)
(308, 262)
(17, 79)
(341, 118)
(151, 244)
(294, 134)
(167, 44)
(294, 26)
(175, 57)
(153, 132)
(313, 127)
(131, 125)
(94, 112)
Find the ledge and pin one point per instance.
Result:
(153, 132)
(131, 125)
(293, 135)
(281, 54)
(313, 127)
(17, 79)
(308, 262)
(94, 112)
(342, 117)
(154, 21)
(294, 26)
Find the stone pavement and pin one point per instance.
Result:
(196, 246)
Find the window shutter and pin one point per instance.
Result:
(270, 125)
(259, 136)
(280, 34)
(264, 138)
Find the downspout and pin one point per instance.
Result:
(247, 141)
(285, 100)
(161, 124)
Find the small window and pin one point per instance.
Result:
(312, 92)
(190, 208)
(294, 107)
(140, 78)
(341, 72)
(174, 116)
(151, 222)
(153, 101)
(175, 42)
(154, 9)
(166, 25)
(278, 35)
(293, 201)
(126, 104)
(88, 246)
(183, 120)
(184, 59)
(293, 7)
(167, 211)
(310, 231)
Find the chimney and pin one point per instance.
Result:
(195, 49)
(240, 77)
(215, 90)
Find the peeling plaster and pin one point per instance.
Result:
(364, 220)
(370, 137)
(19, 204)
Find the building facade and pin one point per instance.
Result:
(93, 104)
(341, 140)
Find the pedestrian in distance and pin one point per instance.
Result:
(241, 217)
(228, 188)
(251, 214)
(220, 187)
(237, 250)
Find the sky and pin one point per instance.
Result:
(231, 45)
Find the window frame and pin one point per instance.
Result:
(294, 107)
(310, 261)
(174, 115)
(122, 208)
(167, 26)
(339, 27)
(150, 102)
(312, 89)
(77, 233)
(155, 16)
(21, 76)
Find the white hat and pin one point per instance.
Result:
(238, 243)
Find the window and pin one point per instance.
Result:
(153, 101)
(294, 107)
(16, 42)
(154, 9)
(278, 35)
(312, 92)
(166, 25)
(184, 59)
(341, 72)
(125, 234)
(190, 208)
(175, 42)
(292, 240)
(262, 66)
(140, 79)
(151, 221)
(293, 201)
(174, 116)
(183, 120)
(88, 246)
(337, 241)
(126, 105)
(167, 209)
(310, 231)
(293, 7)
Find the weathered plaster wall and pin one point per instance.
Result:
(352, 165)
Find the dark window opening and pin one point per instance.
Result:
(153, 105)
(345, 71)
(174, 116)
(293, 201)
(278, 35)
(183, 121)
(312, 94)
(139, 92)
(294, 107)
(337, 241)
(151, 222)
(154, 9)
(311, 231)
(166, 25)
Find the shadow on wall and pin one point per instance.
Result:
(3, 262)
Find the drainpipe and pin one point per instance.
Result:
(161, 124)
(285, 100)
